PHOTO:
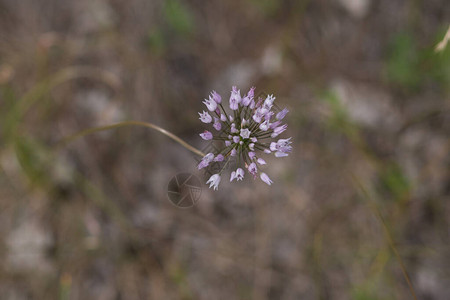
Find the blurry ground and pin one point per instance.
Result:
(370, 121)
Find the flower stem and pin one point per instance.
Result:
(88, 131)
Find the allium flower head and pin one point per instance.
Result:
(244, 133)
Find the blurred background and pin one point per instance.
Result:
(362, 200)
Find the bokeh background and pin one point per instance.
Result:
(361, 204)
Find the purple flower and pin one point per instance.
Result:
(268, 115)
(233, 128)
(238, 175)
(275, 124)
(244, 133)
(278, 130)
(249, 97)
(216, 97)
(282, 114)
(281, 147)
(206, 135)
(202, 164)
(210, 104)
(235, 98)
(285, 143)
(264, 125)
(205, 117)
(280, 154)
(219, 157)
(269, 101)
(266, 178)
(217, 125)
(252, 169)
(259, 114)
(214, 181)
(261, 161)
(252, 155)
(208, 157)
(206, 160)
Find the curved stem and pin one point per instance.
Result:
(88, 131)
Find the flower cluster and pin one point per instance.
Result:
(242, 133)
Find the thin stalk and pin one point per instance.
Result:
(88, 131)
